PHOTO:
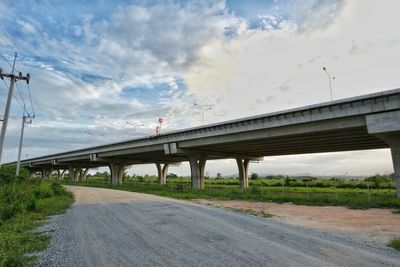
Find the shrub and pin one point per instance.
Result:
(57, 189)
(43, 191)
(7, 174)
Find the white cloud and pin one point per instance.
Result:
(238, 70)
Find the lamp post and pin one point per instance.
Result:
(203, 109)
(134, 125)
(330, 81)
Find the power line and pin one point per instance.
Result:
(6, 60)
(21, 95)
(16, 99)
(14, 130)
(30, 99)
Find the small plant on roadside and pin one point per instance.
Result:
(395, 243)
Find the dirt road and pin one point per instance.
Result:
(116, 228)
(375, 226)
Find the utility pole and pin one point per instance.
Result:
(21, 139)
(13, 79)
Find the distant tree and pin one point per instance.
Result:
(172, 175)
(254, 176)
(219, 175)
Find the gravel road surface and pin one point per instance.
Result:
(115, 228)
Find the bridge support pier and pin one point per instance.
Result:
(71, 172)
(394, 143)
(84, 174)
(46, 174)
(197, 166)
(162, 173)
(243, 166)
(60, 174)
(77, 172)
(117, 171)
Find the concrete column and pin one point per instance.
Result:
(197, 166)
(60, 174)
(84, 174)
(162, 173)
(394, 143)
(243, 166)
(76, 174)
(71, 172)
(117, 171)
(45, 174)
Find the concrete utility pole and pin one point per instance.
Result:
(21, 139)
(13, 79)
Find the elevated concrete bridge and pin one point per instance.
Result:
(364, 122)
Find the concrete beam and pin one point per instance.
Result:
(218, 154)
(295, 129)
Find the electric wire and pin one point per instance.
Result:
(30, 99)
(16, 99)
(6, 60)
(13, 131)
(21, 95)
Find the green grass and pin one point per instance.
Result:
(24, 205)
(325, 196)
(395, 243)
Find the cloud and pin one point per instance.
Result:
(96, 67)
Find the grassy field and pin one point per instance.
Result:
(273, 190)
(24, 205)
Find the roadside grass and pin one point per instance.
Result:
(349, 197)
(395, 243)
(24, 205)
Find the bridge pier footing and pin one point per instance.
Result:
(162, 173)
(197, 166)
(243, 166)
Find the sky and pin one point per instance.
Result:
(104, 71)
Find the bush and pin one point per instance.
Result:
(7, 174)
(43, 191)
(57, 189)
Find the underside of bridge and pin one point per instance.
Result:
(370, 122)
